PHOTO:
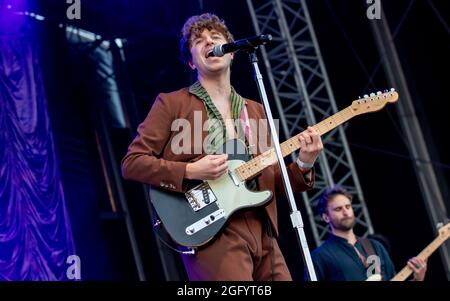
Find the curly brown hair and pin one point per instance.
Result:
(194, 27)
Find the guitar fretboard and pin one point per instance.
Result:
(433, 246)
(257, 164)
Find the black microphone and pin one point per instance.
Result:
(244, 44)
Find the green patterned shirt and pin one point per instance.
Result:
(217, 134)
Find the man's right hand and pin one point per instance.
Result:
(209, 167)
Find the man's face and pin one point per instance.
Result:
(339, 213)
(201, 46)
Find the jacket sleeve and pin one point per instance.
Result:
(299, 182)
(143, 161)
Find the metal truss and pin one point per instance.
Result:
(303, 95)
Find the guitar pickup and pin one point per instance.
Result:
(200, 196)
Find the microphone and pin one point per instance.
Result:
(244, 44)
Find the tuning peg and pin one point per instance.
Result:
(372, 94)
(366, 96)
(439, 225)
(392, 90)
(379, 93)
(385, 90)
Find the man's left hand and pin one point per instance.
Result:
(419, 268)
(310, 145)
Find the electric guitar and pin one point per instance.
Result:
(443, 235)
(193, 218)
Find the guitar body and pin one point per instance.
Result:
(195, 217)
(375, 277)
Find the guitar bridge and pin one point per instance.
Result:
(200, 196)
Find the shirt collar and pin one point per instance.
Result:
(198, 90)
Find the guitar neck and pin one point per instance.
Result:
(433, 246)
(257, 164)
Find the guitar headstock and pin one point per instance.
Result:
(373, 102)
(444, 230)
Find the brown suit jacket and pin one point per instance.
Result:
(151, 159)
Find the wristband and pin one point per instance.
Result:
(304, 165)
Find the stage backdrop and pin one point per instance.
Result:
(35, 233)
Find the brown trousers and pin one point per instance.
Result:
(244, 251)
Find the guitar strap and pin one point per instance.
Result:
(368, 248)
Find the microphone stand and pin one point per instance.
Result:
(296, 217)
